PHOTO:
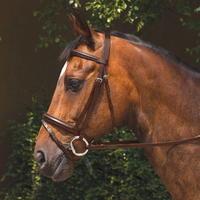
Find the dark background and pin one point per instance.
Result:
(26, 72)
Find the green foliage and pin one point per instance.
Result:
(100, 13)
(54, 25)
(190, 19)
(106, 13)
(109, 175)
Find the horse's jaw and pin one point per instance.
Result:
(63, 170)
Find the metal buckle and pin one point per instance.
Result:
(73, 149)
(100, 80)
(105, 76)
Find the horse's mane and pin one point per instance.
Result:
(136, 41)
(72, 45)
(158, 50)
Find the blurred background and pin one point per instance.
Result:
(32, 35)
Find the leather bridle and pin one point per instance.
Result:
(77, 130)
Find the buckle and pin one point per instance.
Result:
(105, 76)
(100, 80)
(73, 149)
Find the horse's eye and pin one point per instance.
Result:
(73, 84)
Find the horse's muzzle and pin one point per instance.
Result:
(58, 168)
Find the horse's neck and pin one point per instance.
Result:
(168, 109)
(169, 96)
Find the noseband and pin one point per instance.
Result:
(77, 130)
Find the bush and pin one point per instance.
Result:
(109, 175)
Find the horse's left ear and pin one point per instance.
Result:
(81, 27)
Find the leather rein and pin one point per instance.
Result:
(101, 79)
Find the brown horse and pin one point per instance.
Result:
(146, 89)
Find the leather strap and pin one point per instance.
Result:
(86, 56)
(92, 99)
(106, 84)
(137, 144)
(59, 123)
(117, 144)
(58, 143)
(110, 105)
(82, 120)
(101, 78)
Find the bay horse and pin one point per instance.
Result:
(114, 80)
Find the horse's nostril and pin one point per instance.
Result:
(40, 157)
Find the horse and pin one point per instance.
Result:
(112, 80)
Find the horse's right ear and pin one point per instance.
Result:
(81, 27)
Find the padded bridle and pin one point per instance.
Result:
(77, 130)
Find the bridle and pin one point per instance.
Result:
(77, 130)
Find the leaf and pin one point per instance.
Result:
(197, 9)
(35, 13)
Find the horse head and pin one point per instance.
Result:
(94, 93)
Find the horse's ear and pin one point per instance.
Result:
(81, 27)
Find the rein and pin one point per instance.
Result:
(101, 80)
